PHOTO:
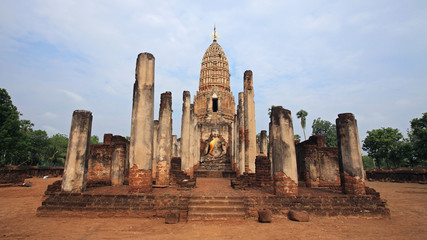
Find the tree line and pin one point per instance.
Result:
(385, 147)
(20, 144)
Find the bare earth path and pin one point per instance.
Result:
(407, 201)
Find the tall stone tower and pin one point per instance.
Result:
(214, 103)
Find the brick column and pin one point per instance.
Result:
(142, 125)
(263, 143)
(174, 146)
(76, 162)
(350, 155)
(185, 133)
(241, 123)
(165, 139)
(118, 164)
(155, 149)
(283, 152)
(250, 128)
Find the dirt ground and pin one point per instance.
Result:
(407, 202)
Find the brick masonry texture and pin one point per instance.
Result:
(140, 180)
(17, 174)
(414, 175)
(59, 203)
(284, 185)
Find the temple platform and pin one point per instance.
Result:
(211, 199)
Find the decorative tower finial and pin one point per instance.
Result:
(214, 35)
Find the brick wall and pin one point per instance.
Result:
(317, 164)
(367, 205)
(100, 158)
(17, 174)
(414, 175)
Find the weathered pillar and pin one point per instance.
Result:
(118, 164)
(235, 139)
(350, 155)
(285, 171)
(263, 143)
(155, 149)
(258, 144)
(165, 139)
(174, 147)
(241, 117)
(178, 148)
(195, 141)
(250, 128)
(76, 162)
(185, 133)
(142, 125)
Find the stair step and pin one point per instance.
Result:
(215, 209)
(214, 216)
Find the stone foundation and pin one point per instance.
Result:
(59, 203)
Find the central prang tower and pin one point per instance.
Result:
(214, 103)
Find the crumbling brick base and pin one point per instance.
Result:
(140, 180)
(162, 173)
(284, 185)
(353, 185)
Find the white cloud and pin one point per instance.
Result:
(325, 57)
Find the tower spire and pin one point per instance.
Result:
(214, 35)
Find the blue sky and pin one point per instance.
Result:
(326, 57)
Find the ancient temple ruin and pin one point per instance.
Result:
(218, 140)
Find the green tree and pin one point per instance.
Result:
(368, 162)
(382, 145)
(57, 150)
(94, 139)
(418, 138)
(326, 129)
(12, 139)
(297, 137)
(302, 114)
(37, 147)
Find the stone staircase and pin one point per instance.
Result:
(215, 208)
(215, 170)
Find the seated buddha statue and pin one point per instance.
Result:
(215, 149)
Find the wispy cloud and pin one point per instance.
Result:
(365, 57)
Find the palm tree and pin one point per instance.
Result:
(302, 114)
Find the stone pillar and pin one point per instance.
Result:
(155, 149)
(174, 146)
(285, 171)
(118, 164)
(76, 162)
(192, 146)
(350, 155)
(185, 133)
(270, 148)
(263, 143)
(178, 147)
(142, 125)
(165, 139)
(258, 145)
(241, 117)
(235, 139)
(250, 128)
(195, 141)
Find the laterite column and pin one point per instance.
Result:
(142, 125)
(285, 171)
(76, 162)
